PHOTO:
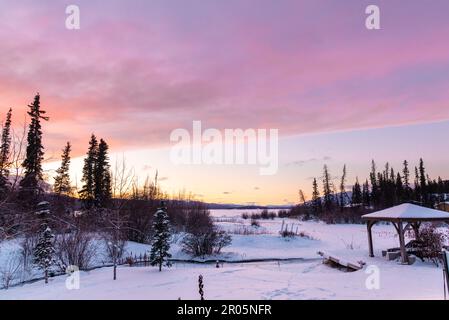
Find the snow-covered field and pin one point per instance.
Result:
(308, 278)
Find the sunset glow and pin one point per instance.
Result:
(136, 70)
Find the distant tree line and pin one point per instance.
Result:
(383, 189)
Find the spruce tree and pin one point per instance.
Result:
(102, 176)
(5, 147)
(87, 193)
(30, 184)
(399, 189)
(343, 194)
(62, 180)
(423, 182)
(160, 244)
(374, 185)
(406, 180)
(327, 190)
(44, 251)
(316, 201)
(356, 193)
(365, 194)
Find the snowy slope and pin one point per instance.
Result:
(309, 279)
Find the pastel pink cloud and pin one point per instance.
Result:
(137, 70)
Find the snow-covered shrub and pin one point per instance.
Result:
(222, 240)
(10, 269)
(431, 242)
(287, 234)
(115, 246)
(75, 248)
(206, 243)
(28, 244)
(203, 238)
(255, 223)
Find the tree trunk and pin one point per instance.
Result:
(46, 276)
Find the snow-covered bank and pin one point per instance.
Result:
(309, 279)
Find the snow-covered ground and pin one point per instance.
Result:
(297, 279)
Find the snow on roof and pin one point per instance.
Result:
(408, 211)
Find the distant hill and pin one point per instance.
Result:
(247, 207)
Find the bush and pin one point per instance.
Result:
(255, 216)
(245, 215)
(264, 214)
(431, 242)
(75, 248)
(255, 223)
(206, 243)
(283, 214)
(287, 234)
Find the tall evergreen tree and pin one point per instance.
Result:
(374, 185)
(302, 197)
(160, 244)
(62, 183)
(416, 178)
(87, 193)
(30, 184)
(327, 190)
(356, 193)
(5, 146)
(343, 194)
(406, 184)
(366, 194)
(399, 189)
(423, 182)
(102, 176)
(406, 175)
(316, 201)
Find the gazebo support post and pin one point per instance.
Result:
(404, 257)
(369, 226)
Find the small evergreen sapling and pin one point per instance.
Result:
(161, 240)
(44, 250)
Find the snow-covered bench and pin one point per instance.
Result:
(344, 263)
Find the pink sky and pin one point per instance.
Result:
(138, 69)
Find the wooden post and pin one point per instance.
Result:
(404, 257)
(369, 225)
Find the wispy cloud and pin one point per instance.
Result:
(134, 74)
(301, 163)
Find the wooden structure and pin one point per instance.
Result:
(354, 266)
(403, 217)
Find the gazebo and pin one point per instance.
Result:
(410, 214)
